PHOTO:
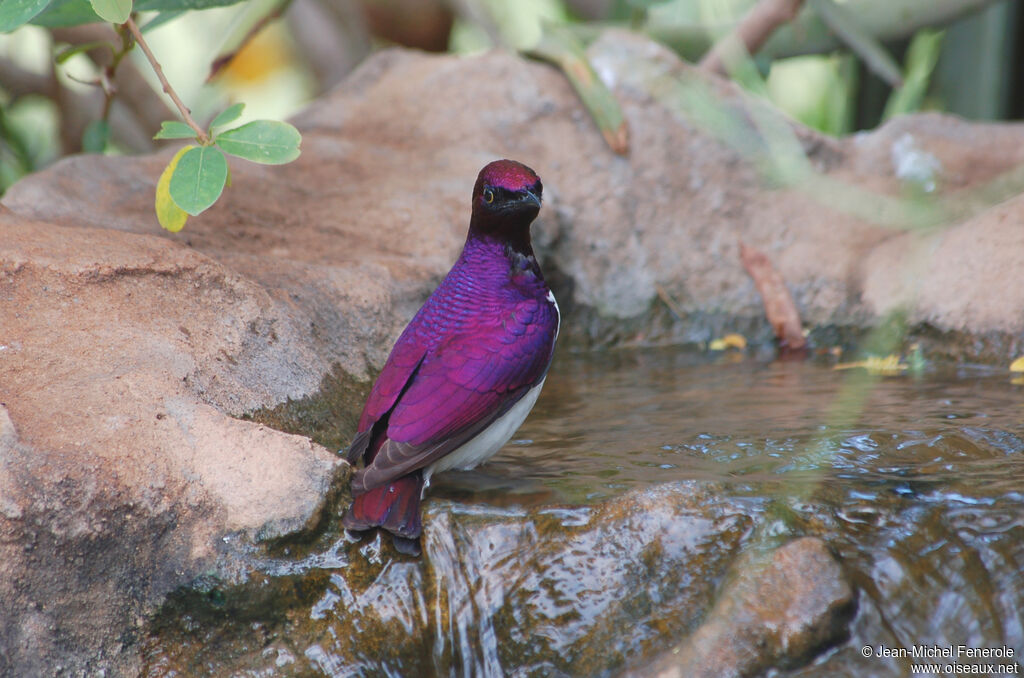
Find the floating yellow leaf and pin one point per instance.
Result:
(1017, 365)
(168, 213)
(728, 341)
(888, 365)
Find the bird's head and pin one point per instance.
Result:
(506, 198)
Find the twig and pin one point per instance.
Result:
(75, 110)
(750, 33)
(669, 301)
(185, 113)
(134, 92)
(779, 307)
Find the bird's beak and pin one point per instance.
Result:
(530, 196)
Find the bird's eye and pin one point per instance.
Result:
(488, 196)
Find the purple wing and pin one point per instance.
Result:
(454, 391)
(401, 365)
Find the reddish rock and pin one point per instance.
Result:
(123, 475)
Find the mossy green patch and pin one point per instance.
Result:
(329, 416)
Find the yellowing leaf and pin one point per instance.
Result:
(1017, 365)
(728, 341)
(168, 213)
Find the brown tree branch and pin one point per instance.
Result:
(185, 113)
(750, 33)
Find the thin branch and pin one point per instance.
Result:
(185, 113)
(134, 91)
(750, 33)
(669, 302)
(75, 110)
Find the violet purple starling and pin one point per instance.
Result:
(466, 371)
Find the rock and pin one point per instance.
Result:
(775, 613)
(122, 477)
(126, 351)
(555, 590)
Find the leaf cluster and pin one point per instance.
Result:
(197, 174)
(65, 13)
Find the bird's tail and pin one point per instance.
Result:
(394, 507)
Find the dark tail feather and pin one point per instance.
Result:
(394, 507)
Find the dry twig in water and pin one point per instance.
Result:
(778, 302)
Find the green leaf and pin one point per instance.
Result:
(160, 19)
(264, 141)
(14, 13)
(171, 5)
(199, 178)
(65, 13)
(564, 50)
(848, 27)
(227, 115)
(920, 61)
(169, 215)
(96, 136)
(174, 129)
(114, 11)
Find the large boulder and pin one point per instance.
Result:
(122, 475)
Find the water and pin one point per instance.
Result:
(600, 534)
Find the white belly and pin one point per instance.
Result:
(490, 440)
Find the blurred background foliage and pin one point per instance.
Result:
(890, 57)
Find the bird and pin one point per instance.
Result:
(466, 371)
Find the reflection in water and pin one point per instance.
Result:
(600, 534)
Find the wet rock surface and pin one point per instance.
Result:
(125, 352)
(777, 612)
(557, 590)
